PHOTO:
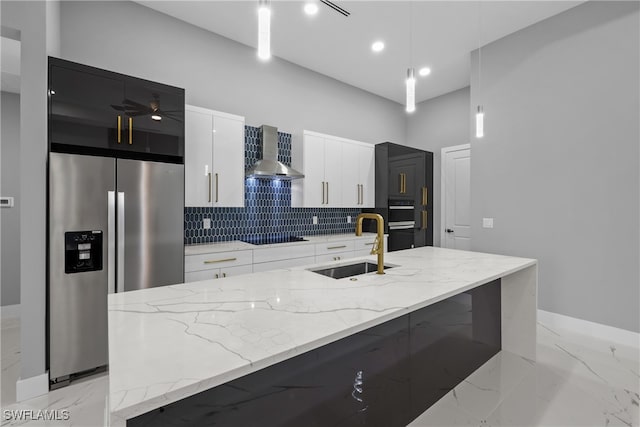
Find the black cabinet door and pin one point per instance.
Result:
(402, 175)
(407, 177)
(83, 109)
(154, 118)
(94, 111)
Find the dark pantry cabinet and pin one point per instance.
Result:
(98, 111)
(404, 178)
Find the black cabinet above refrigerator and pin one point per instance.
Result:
(99, 112)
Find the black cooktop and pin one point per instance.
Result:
(268, 240)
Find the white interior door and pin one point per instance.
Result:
(456, 197)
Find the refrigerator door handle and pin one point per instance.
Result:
(111, 242)
(120, 283)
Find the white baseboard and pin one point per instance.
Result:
(29, 388)
(585, 327)
(9, 311)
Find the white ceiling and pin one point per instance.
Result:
(443, 34)
(9, 65)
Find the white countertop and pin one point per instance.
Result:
(171, 342)
(237, 245)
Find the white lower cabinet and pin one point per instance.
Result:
(363, 246)
(338, 256)
(217, 265)
(217, 273)
(284, 263)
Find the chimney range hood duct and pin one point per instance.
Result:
(269, 167)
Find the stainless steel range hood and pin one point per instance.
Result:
(269, 167)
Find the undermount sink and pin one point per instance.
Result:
(342, 271)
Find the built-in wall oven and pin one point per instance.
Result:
(402, 224)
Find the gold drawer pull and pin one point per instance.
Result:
(424, 196)
(337, 247)
(215, 261)
(424, 220)
(369, 244)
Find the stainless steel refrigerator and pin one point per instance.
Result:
(115, 225)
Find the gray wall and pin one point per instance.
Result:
(558, 168)
(222, 74)
(10, 182)
(437, 123)
(38, 37)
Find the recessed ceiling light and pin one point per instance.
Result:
(424, 71)
(310, 8)
(377, 46)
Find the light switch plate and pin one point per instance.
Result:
(206, 223)
(487, 222)
(315, 220)
(6, 202)
(348, 219)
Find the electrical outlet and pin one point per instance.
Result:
(315, 220)
(348, 219)
(206, 223)
(487, 222)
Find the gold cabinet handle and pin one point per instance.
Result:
(404, 182)
(424, 220)
(209, 187)
(130, 130)
(336, 247)
(327, 192)
(215, 261)
(119, 129)
(216, 188)
(369, 244)
(424, 196)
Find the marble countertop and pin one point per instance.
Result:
(237, 245)
(171, 342)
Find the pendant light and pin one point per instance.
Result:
(480, 110)
(264, 30)
(411, 90)
(411, 74)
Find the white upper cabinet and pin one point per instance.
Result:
(214, 158)
(338, 172)
(367, 175)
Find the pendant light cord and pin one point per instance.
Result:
(479, 49)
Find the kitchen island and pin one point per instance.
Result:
(174, 343)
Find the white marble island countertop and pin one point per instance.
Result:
(172, 342)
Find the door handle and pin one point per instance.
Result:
(209, 175)
(424, 196)
(130, 130)
(448, 230)
(121, 246)
(424, 220)
(119, 133)
(216, 188)
(111, 241)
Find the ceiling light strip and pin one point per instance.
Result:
(336, 8)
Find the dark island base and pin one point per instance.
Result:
(384, 376)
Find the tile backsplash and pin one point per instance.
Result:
(267, 212)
